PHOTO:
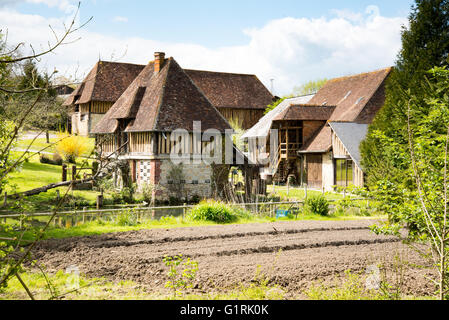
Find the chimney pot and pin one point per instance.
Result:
(159, 59)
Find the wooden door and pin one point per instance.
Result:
(314, 171)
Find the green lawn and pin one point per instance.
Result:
(41, 143)
(296, 193)
(61, 283)
(34, 174)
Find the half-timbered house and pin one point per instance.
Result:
(240, 98)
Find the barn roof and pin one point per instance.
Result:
(351, 135)
(232, 90)
(352, 94)
(162, 101)
(262, 128)
(321, 142)
(105, 82)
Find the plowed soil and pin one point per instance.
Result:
(294, 255)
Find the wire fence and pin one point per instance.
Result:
(142, 214)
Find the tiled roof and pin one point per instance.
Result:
(306, 112)
(231, 90)
(352, 95)
(105, 82)
(162, 101)
(320, 143)
(262, 128)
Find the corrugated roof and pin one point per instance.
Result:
(162, 101)
(105, 82)
(232, 90)
(262, 128)
(351, 135)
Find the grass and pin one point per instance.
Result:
(102, 227)
(60, 284)
(41, 143)
(34, 174)
(296, 193)
(353, 287)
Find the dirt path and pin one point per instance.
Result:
(229, 255)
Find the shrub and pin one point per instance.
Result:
(71, 147)
(318, 205)
(127, 218)
(213, 211)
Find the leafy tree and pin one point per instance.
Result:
(419, 202)
(405, 152)
(425, 44)
(310, 87)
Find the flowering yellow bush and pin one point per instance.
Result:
(71, 147)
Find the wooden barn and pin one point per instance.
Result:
(240, 98)
(319, 139)
(101, 88)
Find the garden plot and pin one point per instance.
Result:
(294, 255)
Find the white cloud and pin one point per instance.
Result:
(290, 50)
(120, 19)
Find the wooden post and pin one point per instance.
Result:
(5, 200)
(99, 201)
(64, 173)
(58, 196)
(305, 190)
(324, 192)
(184, 210)
(288, 187)
(74, 172)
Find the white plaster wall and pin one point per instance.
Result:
(328, 172)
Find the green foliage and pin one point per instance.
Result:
(425, 44)
(127, 218)
(212, 211)
(317, 205)
(125, 195)
(274, 105)
(176, 179)
(181, 273)
(310, 87)
(6, 130)
(216, 212)
(352, 288)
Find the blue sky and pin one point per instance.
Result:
(286, 40)
(208, 22)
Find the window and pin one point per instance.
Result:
(83, 117)
(343, 172)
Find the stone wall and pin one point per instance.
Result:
(198, 178)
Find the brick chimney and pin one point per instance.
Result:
(159, 59)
